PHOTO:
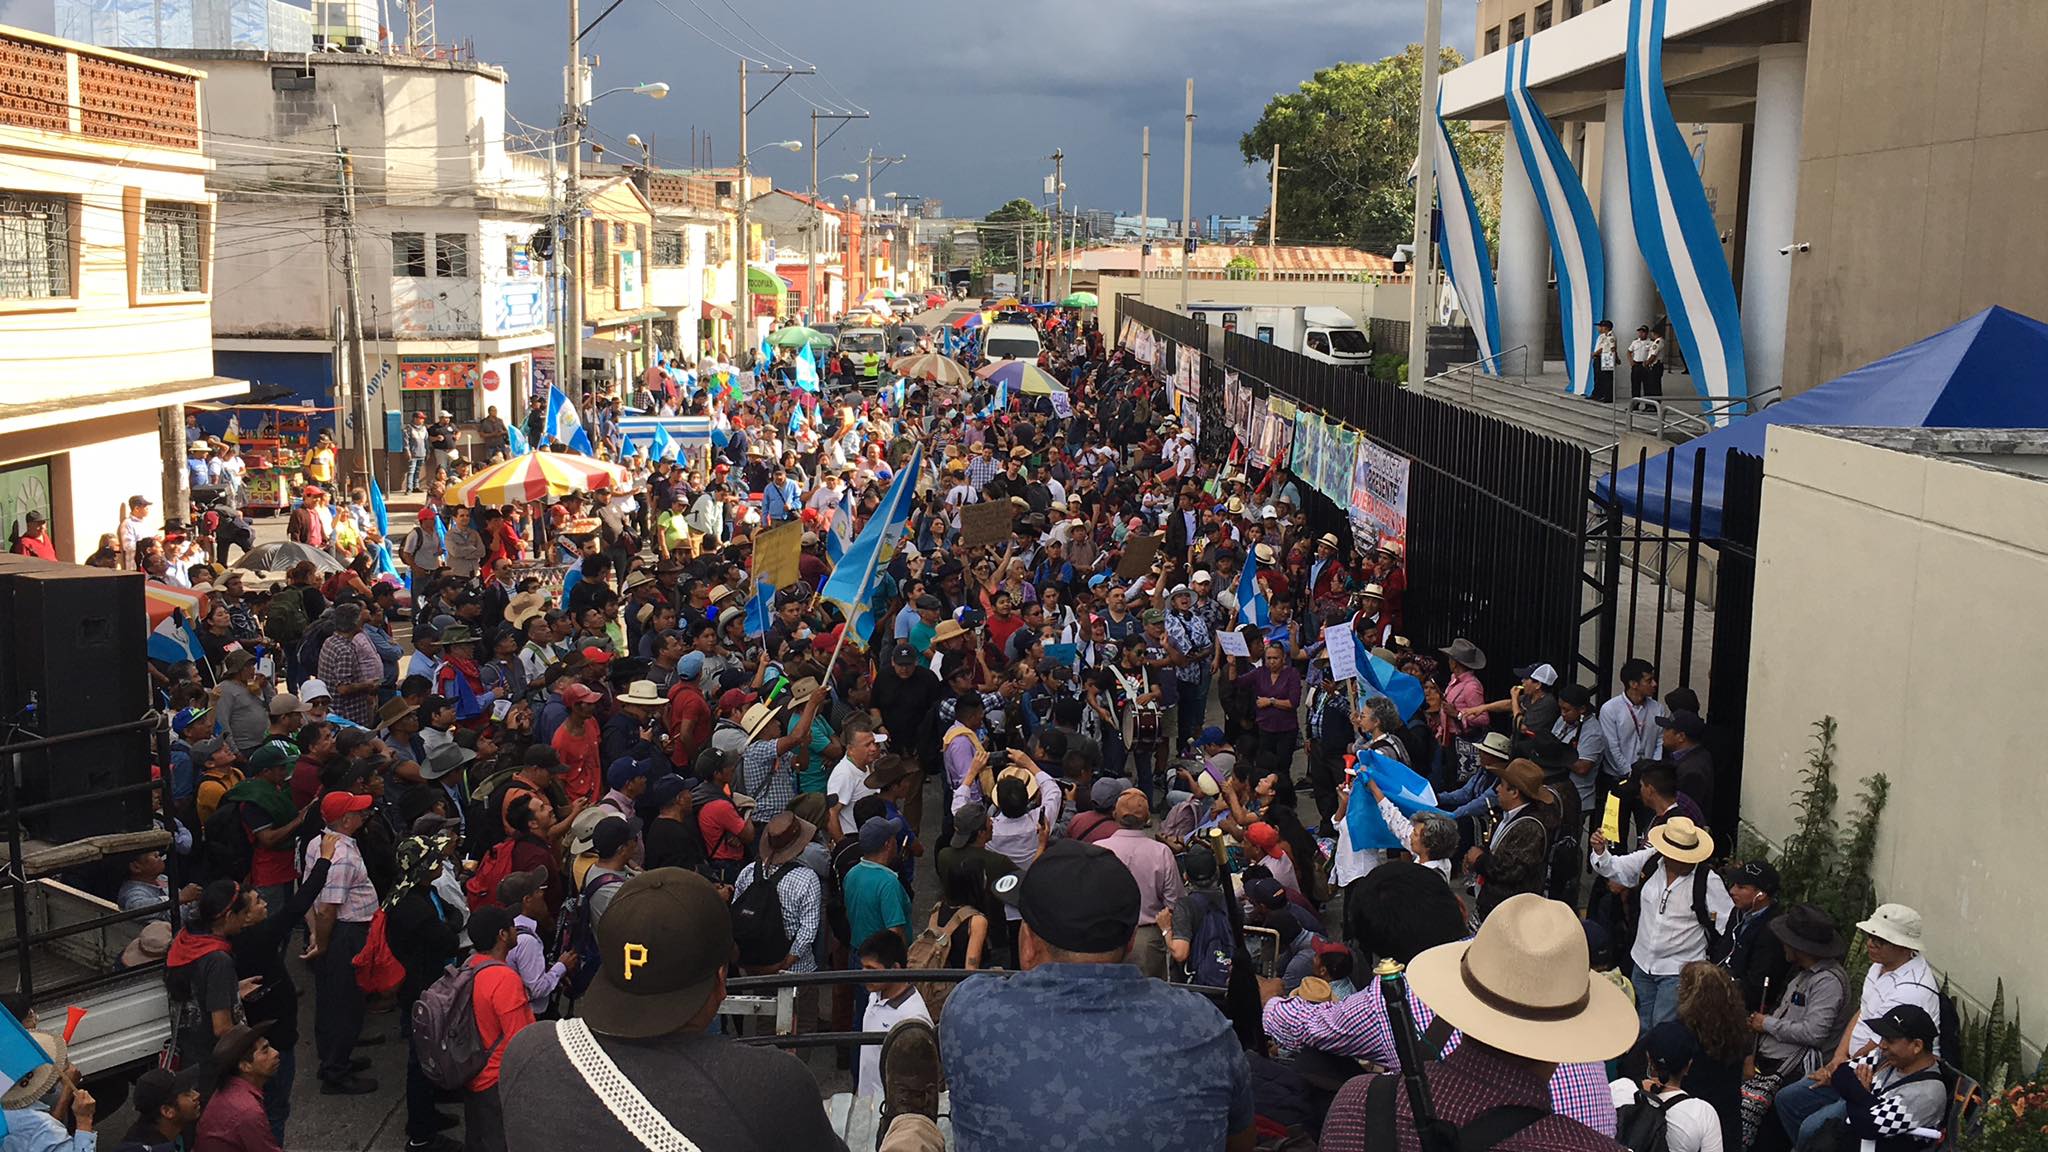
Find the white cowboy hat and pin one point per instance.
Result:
(1524, 985)
(643, 692)
(1682, 840)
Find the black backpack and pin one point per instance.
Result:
(579, 935)
(1718, 942)
(1643, 1126)
(758, 934)
(228, 853)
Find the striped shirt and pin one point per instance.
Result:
(348, 883)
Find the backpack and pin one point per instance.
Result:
(286, 619)
(932, 948)
(377, 968)
(444, 1032)
(228, 851)
(1210, 949)
(1948, 1023)
(577, 932)
(758, 934)
(315, 639)
(1643, 1126)
(1484, 1131)
(482, 886)
(1718, 942)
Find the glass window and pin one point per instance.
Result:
(451, 255)
(408, 254)
(1542, 17)
(1573, 8)
(668, 250)
(600, 256)
(1516, 29)
(618, 234)
(430, 401)
(35, 247)
(170, 248)
(1350, 341)
(1493, 39)
(1318, 342)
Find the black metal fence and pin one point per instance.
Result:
(1496, 512)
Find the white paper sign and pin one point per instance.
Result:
(1343, 651)
(1062, 405)
(1231, 643)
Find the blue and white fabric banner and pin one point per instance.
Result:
(1463, 241)
(1575, 249)
(1674, 225)
(686, 434)
(564, 425)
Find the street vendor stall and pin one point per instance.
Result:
(273, 440)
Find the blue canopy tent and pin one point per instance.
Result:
(1990, 371)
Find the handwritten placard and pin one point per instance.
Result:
(1343, 651)
(1232, 644)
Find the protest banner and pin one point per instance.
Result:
(986, 523)
(1379, 496)
(1139, 552)
(1231, 643)
(776, 551)
(1343, 651)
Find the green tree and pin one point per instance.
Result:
(1241, 267)
(1347, 138)
(999, 234)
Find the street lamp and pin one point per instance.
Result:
(655, 91)
(785, 145)
(569, 362)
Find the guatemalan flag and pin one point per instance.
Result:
(839, 537)
(19, 1055)
(564, 425)
(1251, 601)
(1404, 690)
(1400, 784)
(383, 514)
(760, 608)
(806, 369)
(852, 583)
(515, 439)
(174, 639)
(661, 446)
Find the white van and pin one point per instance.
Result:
(1010, 342)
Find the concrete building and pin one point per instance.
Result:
(1866, 165)
(1937, 538)
(454, 300)
(692, 235)
(618, 220)
(106, 281)
(794, 229)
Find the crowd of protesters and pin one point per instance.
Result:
(594, 800)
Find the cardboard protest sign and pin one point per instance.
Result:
(776, 551)
(1139, 552)
(986, 523)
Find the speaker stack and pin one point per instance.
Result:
(73, 645)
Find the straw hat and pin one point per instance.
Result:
(643, 692)
(757, 718)
(37, 1082)
(947, 630)
(1682, 840)
(1524, 986)
(1016, 772)
(523, 607)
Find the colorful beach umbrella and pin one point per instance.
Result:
(1079, 300)
(159, 600)
(535, 476)
(1022, 376)
(797, 336)
(931, 366)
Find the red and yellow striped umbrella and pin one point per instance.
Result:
(931, 366)
(160, 600)
(535, 476)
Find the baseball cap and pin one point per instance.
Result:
(579, 693)
(1210, 736)
(1076, 896)
(624, 771)
(158, 1087)
(1103, 793)
(690, 666)
(877, 831)
(335, 805)
(666, 788)
(284, 704)
(519, 885)
(1688, 723)
(613, 833)
(266, 756)
(905, 653)
(733, 698)
(1133, 810)
(1905, 1022)
(1543, 674)
(597, 656)
(314, 689)
(662, 943)
(968, 823)
(1757, 874)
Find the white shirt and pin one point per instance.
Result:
(882, 1016)
(1642, 349)
(1631, 733)
(1603, 349)
(1910, 983)
(848, 785)
(1689, 1125)
(1668, 935)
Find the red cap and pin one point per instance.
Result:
(575, 693)
(826, 641)
(335, 805)
(597, 656)
(1331, 947)
(734, 698)
(427, 514)
(1264, 835)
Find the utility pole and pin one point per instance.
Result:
(1059, 211)
(1144, 205)
(743, 252)
(360, 384)
(1187, 183)
(1423, 264)
(1273, 210)
(569, 359)
(867, 207)
(817, 228)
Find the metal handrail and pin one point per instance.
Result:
(1693, 413)
(1471, 370)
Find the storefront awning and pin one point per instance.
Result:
(765, 282)
(98, 405)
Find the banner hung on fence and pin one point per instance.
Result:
(1379, 496)
(1336, 465)
(1237, 403)
(1187, 370)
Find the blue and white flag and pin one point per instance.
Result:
(377, 507)
(760, 609)
(515, 438)
(839, 537)
(852, 583)
(564, 425)
(1398, 686)
(1575, 248)
(685, 434)
(1251, 599)
(806, 369)
(661, 446)
(174, 639)
(19, 1055)
(1674, 225)
(767, 354)
(796, 418)
(1463, 240)
(1400, 784)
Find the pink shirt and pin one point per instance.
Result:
(1152, 865)
(1464, 691)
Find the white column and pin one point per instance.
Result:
(1773, 204)
(1629, 291)
(1524, 264)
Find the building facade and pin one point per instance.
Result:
(1865, 166)
(107, 234)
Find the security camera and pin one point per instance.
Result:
(1789, 249)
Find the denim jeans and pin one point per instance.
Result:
(1194, 707)
(1803, 1106)
(1656, 998)
(414, 465)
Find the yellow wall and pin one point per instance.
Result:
(615, 204)
(1899, 593)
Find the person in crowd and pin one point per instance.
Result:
(1660, 1103)
(887, 1004)
(503, 1011)
(1167, 1056)
(1684, 909)
(166, 1110)
(1756, 955)
(1153, 866)
(341, 918)
(45, 1109)
(243, 1063)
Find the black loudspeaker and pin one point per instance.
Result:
(77, 642)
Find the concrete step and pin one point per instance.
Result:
(1539, 405)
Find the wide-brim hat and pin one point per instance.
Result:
(886, 771)
(1894, 924)
(785, 838)
(757, 718)
(1497, 744)
(1330, 538)
(152, 943)
(1682, 840)
(523, 607)
(643, 692)
(1016, 772)
(1808, 929)
(394, 710)
(1526, 777)
(1524, 985)
(801, 691)
(37, 1082)
(947, 630)
(1465, 652)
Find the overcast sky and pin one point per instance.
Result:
(977, 95)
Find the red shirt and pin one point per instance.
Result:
(685, 703)
(502, 1009)
(38, 546)
(721, 824)
(580, 754)
(305, 781)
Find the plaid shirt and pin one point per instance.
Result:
(803, 901)
(1466, 1083)
(981, 470)
(1357, 1026)
(352, 660)
(769, 779)
(348, 883)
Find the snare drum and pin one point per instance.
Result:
(1145, 724)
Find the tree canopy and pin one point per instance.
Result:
(999, 244)
(1347, 139)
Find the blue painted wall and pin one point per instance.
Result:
(310, 375)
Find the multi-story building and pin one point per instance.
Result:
(798, 231)
(454, 300)
(692, 234)
(618, 222)
(1867, 166)
(106, 279)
